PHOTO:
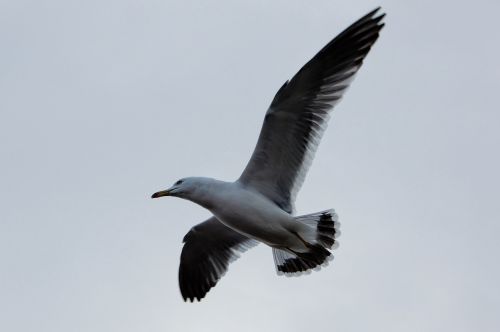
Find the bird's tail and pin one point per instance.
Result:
(325, 227)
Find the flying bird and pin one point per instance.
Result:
(259, 206)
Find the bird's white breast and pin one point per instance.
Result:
(252, 214)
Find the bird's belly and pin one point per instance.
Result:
(256, 219)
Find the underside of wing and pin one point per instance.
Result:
(208, 249)
(299, 113)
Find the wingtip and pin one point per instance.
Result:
(380, 17)
(192, 299)
(376, 14)
(373, 12)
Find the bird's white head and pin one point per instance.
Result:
(192, 188)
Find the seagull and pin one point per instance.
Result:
(259, 206)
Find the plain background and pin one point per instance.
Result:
(103, 103)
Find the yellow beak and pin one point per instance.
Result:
(161, 194)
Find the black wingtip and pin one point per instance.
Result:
(192, 298)
(380, 17)
(374, 15)
(371, 14)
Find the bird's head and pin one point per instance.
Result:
(188, 188)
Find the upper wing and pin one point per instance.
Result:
(208, 249)
(298, 115)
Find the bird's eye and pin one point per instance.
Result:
(178, 182)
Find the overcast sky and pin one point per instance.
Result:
(103, 103)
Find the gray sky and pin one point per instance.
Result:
(104, 102)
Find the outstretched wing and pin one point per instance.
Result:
(208, 249)
(298, 115)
